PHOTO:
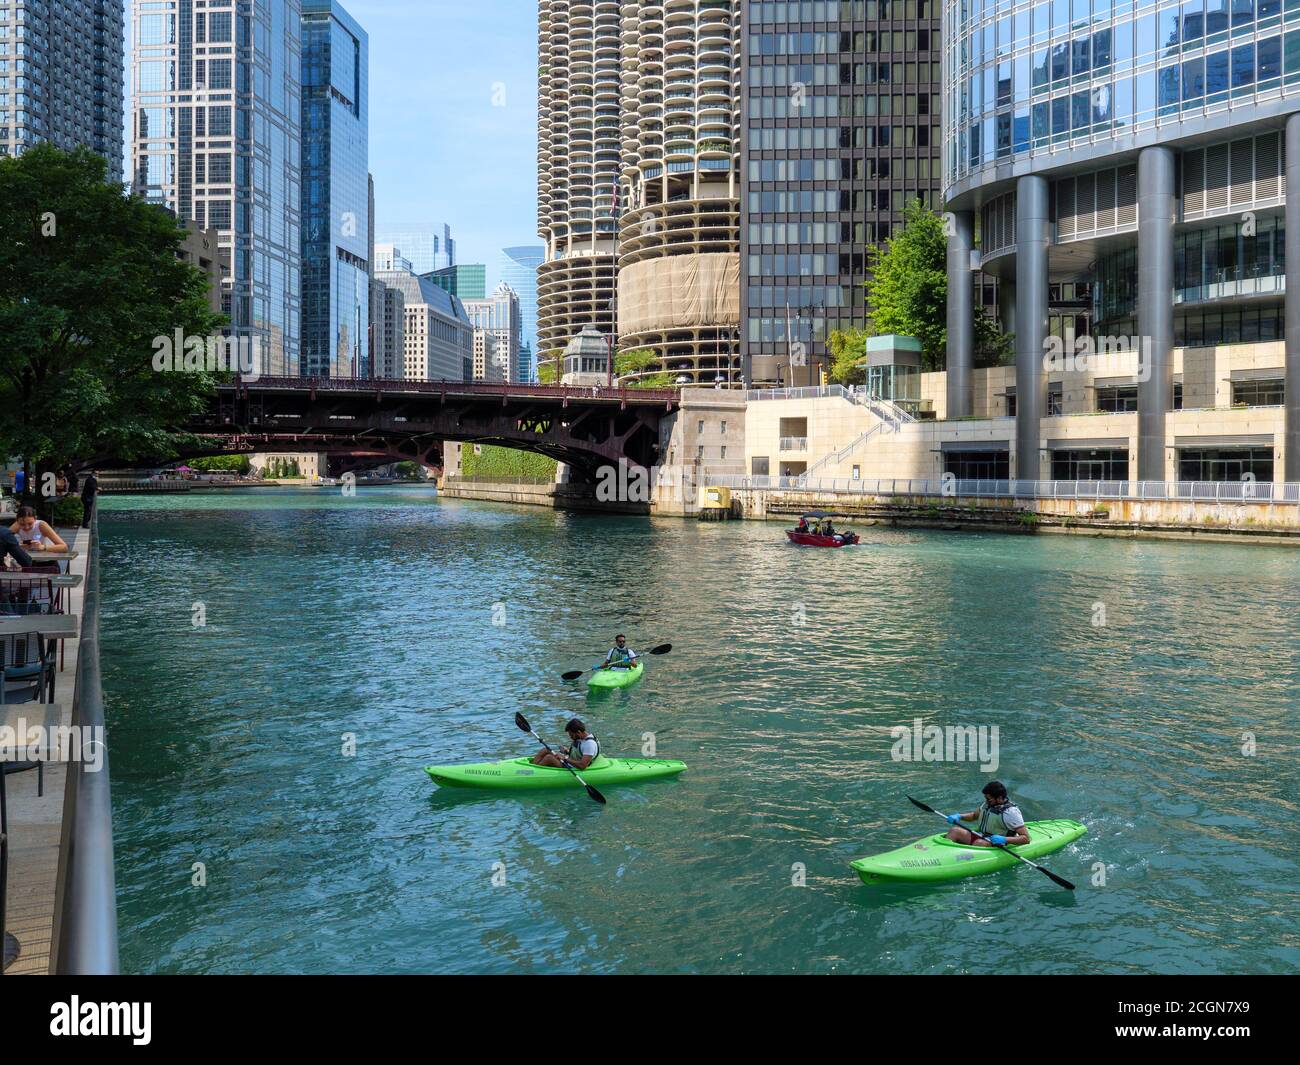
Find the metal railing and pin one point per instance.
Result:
(1095, 491)
(794, 443)
(459, 388)
(84, 938)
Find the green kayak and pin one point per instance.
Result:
(937, 858)
(519, 774)
(616, 678)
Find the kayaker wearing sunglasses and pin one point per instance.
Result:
(620, 656)
(580, 754)
(999, 818)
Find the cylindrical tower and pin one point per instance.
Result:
(577, 167)
(679, 247)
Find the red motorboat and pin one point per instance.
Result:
(804, 535)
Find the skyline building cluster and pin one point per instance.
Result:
(250, 126)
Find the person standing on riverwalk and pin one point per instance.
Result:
(89, 490)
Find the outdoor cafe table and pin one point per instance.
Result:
(47, 717)
(63, 557)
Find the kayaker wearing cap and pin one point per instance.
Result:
(999, 818)
(620, 656)
(580, 754)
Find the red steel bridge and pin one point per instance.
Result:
(359, 424)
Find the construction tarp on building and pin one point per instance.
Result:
(679, 292)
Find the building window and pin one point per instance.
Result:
(1118, 399)
(758, 466)
(1090, 464)
(978, 465)
(1265, 393)
(1226, 464)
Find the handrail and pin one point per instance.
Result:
(1095, 491)
(84, 938)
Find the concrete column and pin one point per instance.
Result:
(961, 319)
(1033, 235)
(1157, 210)
(1291, 428)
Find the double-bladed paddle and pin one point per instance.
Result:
(1047, 872)
(522, 723)
(574, 674)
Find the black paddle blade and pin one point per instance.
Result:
(662, 649)
(1059, 879)
(573, 674)
(595, 795)
(522, 724)
(927, 809)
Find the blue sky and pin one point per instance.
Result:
(453, 118)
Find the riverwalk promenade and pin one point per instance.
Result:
(41, 807)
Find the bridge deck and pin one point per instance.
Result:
(638, 396)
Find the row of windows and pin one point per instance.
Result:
(1113, 107)
(811, 139)
(1247, 325)
(802, 105)
(804, 264)
(870, 169)
(779, 233)
(767, 12)
(824, 201)
(797, 296)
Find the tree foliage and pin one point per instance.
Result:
(89, 278)
(634, 362)
(907, 292)
(848, 347)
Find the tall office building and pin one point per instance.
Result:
(437, 335)
(428, 245)
(61, 77)
(497, 335)
(517, 267)
(215, 129)
(1154, 154)
(578, 162)
(336, 240)
(679, 240)
(841, 129)
(466, 280)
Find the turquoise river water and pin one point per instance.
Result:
(271, 813)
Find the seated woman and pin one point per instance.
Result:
(34, 534)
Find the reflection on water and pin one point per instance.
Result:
(369, 621)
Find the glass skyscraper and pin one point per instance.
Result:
(215, 129)
(466, 280)
(428, 245)
(335, 193)
(1152, 150)
(61, 76)
(517, 267)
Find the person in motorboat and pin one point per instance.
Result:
(580, 753)
(620, 656)
(802, 527)
(999, 818)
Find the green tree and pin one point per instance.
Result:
(548, 367)
(222, 463)
(89, 279)
(635, 361)
(848, 347)
(907, 291)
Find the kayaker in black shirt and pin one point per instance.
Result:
(620, 656)
(579, 754)
(999, 818)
